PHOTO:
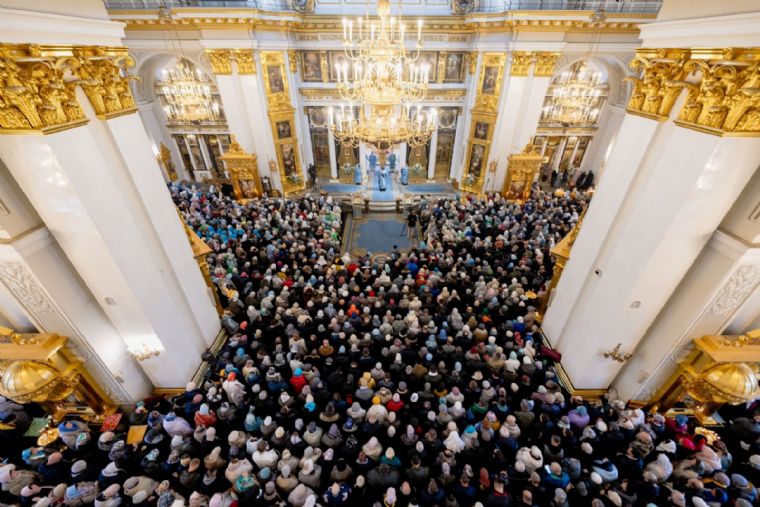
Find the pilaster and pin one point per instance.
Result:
(680, 161)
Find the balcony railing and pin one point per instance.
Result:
(493, 6)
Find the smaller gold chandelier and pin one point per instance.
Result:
(577, 96)
(383, 126)
(187, 95)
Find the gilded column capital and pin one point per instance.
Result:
(220, 59)
(546, 63)
(721, 86)
(521, 61)
(725, 101)
(103, 77)
(246, 61)
(659, 84)
(34, 96)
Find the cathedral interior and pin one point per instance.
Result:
(395, 252)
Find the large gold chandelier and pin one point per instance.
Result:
(576, 96)
(187, 95)
(386, 82)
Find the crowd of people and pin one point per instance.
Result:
(414, 379)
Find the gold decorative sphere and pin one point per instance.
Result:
(733, 382)
(28, 381)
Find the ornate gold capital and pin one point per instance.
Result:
(105, 81)
(521, 61)
(221, 62)
(721, 84)
(726, 100)
(38, 86)
(546, 63)
(34, 97)
(246, 61)
(661, 81)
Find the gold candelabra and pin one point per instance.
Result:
(385, 80)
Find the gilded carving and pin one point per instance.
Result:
(661, 81)
(472, 62)
(246, 61)
(521, 171)
(489, 83)
(244, 173)
(521, 61)
(34, 97)
(105, 81)
(546, 63)
(221, 60)
(725, 100)
(293, 60)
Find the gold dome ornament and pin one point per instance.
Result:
(733, 383)
(30, 381)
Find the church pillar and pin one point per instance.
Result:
(529, 79)
(675, 170)
(599, 148)
(431, 157)
(86, 165)
(331, 151)
(723, 281)
(40, 291)
(241, 94)
(558, 153)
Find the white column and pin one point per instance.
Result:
(678, 188)
(82, 188)
(431, 156)
(720, 281)
(522, 101)
(333, 157)
(719, 295)
(558, 153)
(36, 272)
(600, 146)
(242, 99)
(154, 196)
(153, 119)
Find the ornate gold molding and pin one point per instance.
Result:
(472, 62)
(725, 102)
(293, 60)
(490, 81)
(521, 61)
(721, 86)
(521, 171)
(282, 120)
(246, 61)
(546, 63)
(38, 85)
(105, 81)
(655, 92)
(221, 61)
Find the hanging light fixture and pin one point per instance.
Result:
(187, 95)
(186, 91)
(576, 98)
(385, 81)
